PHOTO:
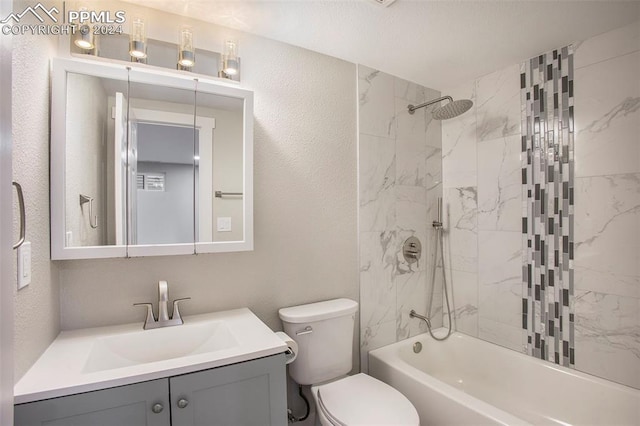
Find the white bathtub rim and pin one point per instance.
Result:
(526, 358)
(393, 359)
(471, 402)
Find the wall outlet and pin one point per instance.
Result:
(224, 224)
(24, 265)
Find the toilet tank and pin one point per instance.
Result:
(324, 334)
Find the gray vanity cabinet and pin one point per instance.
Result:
(131, 405)
(244, 394)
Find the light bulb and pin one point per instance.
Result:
(84, 38)
(230, 59)
(138, 39)
(186, 56)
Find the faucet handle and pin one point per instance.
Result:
(150, 317)
(175, 315)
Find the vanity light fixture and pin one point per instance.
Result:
(84, 37)
(138, 40)
(186, 55)
(230, 63)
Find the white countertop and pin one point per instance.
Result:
(62, 368)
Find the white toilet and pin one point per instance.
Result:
(324, 334)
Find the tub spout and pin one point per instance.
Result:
(414, 314)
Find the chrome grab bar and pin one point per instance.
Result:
(23, 216)
(86, 199)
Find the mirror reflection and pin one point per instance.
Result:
(95, 167)
(150, 165)
(163, 175)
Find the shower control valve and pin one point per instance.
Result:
(412, 250)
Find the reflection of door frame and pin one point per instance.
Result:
(205, 126)
(120, 167)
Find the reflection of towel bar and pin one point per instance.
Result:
(220, 194)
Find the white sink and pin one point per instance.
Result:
(159, 344)
(97, 358)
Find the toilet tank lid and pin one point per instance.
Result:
(318, 311)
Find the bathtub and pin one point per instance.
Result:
(465, 380)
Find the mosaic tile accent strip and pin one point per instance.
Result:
(546, 84)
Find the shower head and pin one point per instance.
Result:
(450, 110)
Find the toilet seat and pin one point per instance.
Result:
(363, 400)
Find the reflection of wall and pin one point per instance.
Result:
(85, 158)
(481, 174)
(227, 173)
(166, 217)
(37, 306)
(400, 182)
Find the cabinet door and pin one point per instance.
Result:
(131, 405)
(244, 394)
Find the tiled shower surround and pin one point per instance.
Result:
(399, 173)
(483, 204)
(548, 169)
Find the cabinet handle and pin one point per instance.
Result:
(182, 403)
(157, 408)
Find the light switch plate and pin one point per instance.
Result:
(224, 224)
(24, 265)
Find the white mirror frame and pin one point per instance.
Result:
(148, 75)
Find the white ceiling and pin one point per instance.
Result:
(435, 43)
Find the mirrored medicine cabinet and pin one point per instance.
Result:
(148, 162)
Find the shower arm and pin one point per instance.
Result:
(413, 108)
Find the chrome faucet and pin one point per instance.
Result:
(163, 314)
(163, 298)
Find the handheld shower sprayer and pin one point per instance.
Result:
(437, 225)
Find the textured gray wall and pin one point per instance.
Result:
(37, 309)
(6, 231)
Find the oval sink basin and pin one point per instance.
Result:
(146, 346)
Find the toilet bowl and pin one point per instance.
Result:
(362, 400)
(324, 334)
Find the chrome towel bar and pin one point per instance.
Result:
(220, 194)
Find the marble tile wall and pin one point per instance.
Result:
(607, 205)
(400, 171)
(481, 178)
(483, 248)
